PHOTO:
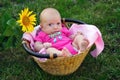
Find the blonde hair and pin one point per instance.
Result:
(49, 11)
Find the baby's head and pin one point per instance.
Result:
(50, 20)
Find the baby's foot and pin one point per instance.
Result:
(79, 33)
(65, 52)
(84, 45)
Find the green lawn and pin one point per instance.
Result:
(16, 64)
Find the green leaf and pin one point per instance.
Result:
(1, 38)
(9, 42)
(10, 28)
(8, 31)
(12, 22)
(3, 19)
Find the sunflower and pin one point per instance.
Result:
(27, 20)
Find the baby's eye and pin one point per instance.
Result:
(50, 24)
(58, 23)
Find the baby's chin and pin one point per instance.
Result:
(55, 31)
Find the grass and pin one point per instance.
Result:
(16, 64)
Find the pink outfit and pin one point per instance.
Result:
(59, 42)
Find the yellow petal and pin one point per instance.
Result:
(27, 20)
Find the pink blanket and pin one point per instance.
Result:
(30, 36)
(91, 32)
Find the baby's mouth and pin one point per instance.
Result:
(55, 32)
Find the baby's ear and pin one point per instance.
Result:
(40, 25)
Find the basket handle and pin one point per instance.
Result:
(72, 20)
(26, 45)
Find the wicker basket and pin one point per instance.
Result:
(62, 65)
(59, 65)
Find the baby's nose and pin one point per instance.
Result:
(55, 26)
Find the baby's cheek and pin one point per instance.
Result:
(48, 31)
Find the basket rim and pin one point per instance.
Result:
(60, 58)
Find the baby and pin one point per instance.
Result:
(55, 37)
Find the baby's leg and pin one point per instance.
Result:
(80, 42)
(53, 51)
(84, 44)
(65, 52)
(61, 53)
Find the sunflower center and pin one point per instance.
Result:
(26, 20)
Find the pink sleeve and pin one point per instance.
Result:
(38, 37)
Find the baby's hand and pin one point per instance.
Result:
(47, 45)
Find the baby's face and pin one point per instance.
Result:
(51, 24)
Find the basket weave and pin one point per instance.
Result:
(62, 65)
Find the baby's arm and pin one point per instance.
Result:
(47, 45)
(38, 45)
